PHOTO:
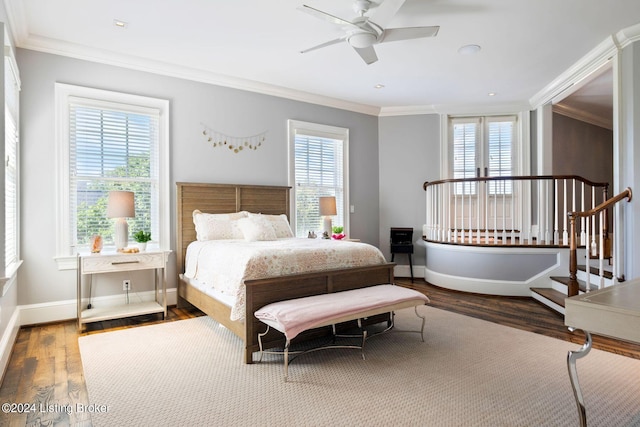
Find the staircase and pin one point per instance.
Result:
(554, 296)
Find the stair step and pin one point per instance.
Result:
(594, 270)
(551, 294)
(582, 285)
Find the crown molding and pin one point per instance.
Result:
(106, 57)
(410, 110)
(23, 39)
(583, 116)
(596, 59)
(599, 57)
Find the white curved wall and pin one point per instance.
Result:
(505, 270)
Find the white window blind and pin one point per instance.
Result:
(483, 146)
(11, 143)
(500, 134)
(465, 135)
(318, 169)
(111, 147)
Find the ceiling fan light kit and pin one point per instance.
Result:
(363, 32)
(362, 40)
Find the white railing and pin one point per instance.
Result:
(513, 210)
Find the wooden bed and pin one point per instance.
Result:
(227, 198)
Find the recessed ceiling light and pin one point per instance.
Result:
(469, 49)
(120, 24)
(491, 94)
(379, 86)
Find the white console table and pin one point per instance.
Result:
(613, 311)
(90, 264)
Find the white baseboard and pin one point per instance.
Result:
(8, 339)
(64, 310)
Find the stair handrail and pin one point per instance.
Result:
(553, 195)
(573, 288)
(514, 178)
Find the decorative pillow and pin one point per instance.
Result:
(218, 226)
(280, 224)
(256, 229)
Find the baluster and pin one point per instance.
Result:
(487, 194)
(513, 210)
(601, 255)
(429, 221)
(592, 245)
(555, 212)
(582, 233)
(495, 213)
(480, 192)
(565, 236)
(470, 222)
(455, 213)
(539, 196)
(587, 256)
(504, 212)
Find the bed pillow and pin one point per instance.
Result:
(218, 226)
(257, 228)
(280, 224)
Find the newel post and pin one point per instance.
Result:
(573, 288)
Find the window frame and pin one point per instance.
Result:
(482, 150)
(11, 68)
(323, 131)
(64, 96)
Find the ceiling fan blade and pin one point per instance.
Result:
(408, 33)
(325, 16)
(385, 12)
(325, 44)
(368, 54)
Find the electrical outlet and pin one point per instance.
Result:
(126, 285)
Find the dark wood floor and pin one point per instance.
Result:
(45, 370)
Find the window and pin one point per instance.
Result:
(11, 144)
(110, 141)
(483, 147)
(317, 168)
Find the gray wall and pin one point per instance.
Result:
(583, 149)
(409, 156)
(230, 111)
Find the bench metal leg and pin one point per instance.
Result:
(364, 336)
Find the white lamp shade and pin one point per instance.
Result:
(120, 205)
(327, 210)
(328, 206)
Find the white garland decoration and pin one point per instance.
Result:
(234, 143)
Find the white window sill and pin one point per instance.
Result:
(69, 262)
(11, 274)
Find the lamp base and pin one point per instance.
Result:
(327, 229)
(121, 234)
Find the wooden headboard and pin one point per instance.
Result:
(222, 198)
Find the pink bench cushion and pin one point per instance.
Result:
(294, 316)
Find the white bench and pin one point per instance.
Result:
(294, 316)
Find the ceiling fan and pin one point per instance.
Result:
(363, 32)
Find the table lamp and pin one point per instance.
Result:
(120, 206)
(327, 210)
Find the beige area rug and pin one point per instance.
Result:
(468, 372)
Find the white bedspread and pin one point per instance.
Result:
(223, 265)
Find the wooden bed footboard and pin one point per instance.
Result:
(260, 292)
